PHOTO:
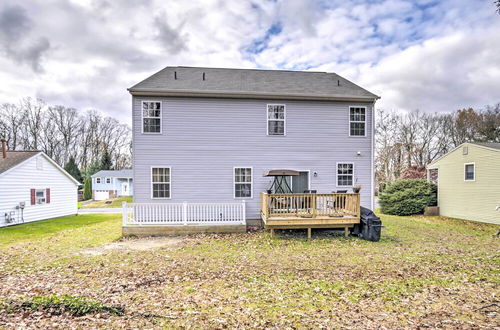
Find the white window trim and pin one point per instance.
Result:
(234, 182)
(355, 121)
(151, 181)
(267, 119)
(142, 117)
(44, 196)
(465, 166)
(337, 174)
(98, 180)
(110, 180)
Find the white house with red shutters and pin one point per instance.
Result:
(33, 187)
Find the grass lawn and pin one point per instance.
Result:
(425, 272)
(116, 202)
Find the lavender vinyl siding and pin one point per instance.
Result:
(203, 139)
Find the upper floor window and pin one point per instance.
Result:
(470, 172)
(276, 119)
(160, 182)
(151, 117)
(357, 121)
(97, 180)
(345, 174)
(243, 182)
(108, 180)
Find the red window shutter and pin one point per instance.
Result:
(33, 197)
(47, 195)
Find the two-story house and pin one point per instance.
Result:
(210, 134)
(108, 184)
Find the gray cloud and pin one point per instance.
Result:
(16, 39)
(170, 38)
(98, 48)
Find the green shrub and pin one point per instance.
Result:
(407, 197)
(77, 306)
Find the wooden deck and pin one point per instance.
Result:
(308, 211)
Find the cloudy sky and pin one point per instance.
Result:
(422, 54)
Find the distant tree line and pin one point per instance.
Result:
(407, 142)
(78, 141)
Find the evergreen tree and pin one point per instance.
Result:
(106, 162)
(73, 169)
(91, 170)
(87, 189)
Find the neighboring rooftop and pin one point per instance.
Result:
(125, 173)
(250, 83)
(493, 145)
(15, 158)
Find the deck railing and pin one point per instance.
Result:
(184, 213)
(309, 205)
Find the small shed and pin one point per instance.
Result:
(33, 187)
(468, 180)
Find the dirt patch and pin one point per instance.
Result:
(135, 244)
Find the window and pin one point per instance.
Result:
(276, 119)
(97, 180)
(108, 180)
(357, 121)
(160, 182)
(243, 182)
(469, 172)
(40, 196)
(465, 151)
(345, 174)
(151, 117)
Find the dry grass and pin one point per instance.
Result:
(425, 272)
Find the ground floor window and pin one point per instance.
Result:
(345, 174)
(40, 196)
(243, 182)
(160, 182)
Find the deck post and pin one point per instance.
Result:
(272, 232)
(124, 215)
(346, 231)
(309, 233)
(313, 206)
(244, 212)
(184, 213)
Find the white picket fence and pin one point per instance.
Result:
(184, 213)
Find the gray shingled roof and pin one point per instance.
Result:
(15, 158)
(493, 145)
(250, 83)
(114, 173)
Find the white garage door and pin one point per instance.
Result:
(101, 195)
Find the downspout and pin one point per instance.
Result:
(372, 202)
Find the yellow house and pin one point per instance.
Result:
(468, 180)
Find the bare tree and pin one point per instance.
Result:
(67, 124)
(406, 143)
(33, 112)
(62, 132)
(11, 124)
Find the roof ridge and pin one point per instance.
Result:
(24, 151)
(246, 69)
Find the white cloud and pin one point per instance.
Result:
(427, 54)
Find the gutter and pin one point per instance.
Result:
(246, 95)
